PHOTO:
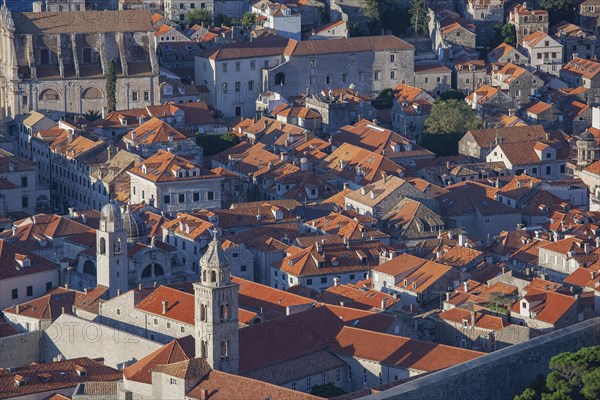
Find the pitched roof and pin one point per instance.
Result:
(580, 66)
(53, 376)
(398, 351)
(13, 262)
(52, 23)
(163, 166)
(513, 134)
(534, 38)
(177, 350)
(414, 273)
(346, 45)
(482, 320)
(255, 49)
(154, 131)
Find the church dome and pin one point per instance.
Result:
(134, 228)
(110, 213)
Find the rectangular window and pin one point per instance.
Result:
(237, 65)
(250, 86)
(237, 87)
(376, 75)
(224, 67)
(181, 197)
(181, 6)
(24, 202)
(182, 329)
(48, 286)
(352, 60)
(344, 78)
(308, 385)
(168, 325)
(155, 321)
(143, 195)
(15, 294)
(173, 381)
(253, 65)
(392, 74)
(24, 181)
(146, 95)
(392, 58)
(167, 199)
(328, 79)
(210, 195)
(135, 96)
(338, 374)
(324, 279)
(196, 196)
(309, 281)
(548, 170)
(29, 291)
(312, 63)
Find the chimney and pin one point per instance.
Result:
(85, 290)
(62, 310)
(108, 154)
(586, 248)
(83, 218)
(18, 308)
(72, 212)
(104, 112)
(383, 176)
(462, 240)
(466, 286)
(448, 294)
(383, 304)
(140, 286)
(203, 393)
(598, 241)
(303, 164)
(165, 303)
(14, 230)
(342, 303)
(155, 284)
(592, 274)
(119, 292)
(472, 318)
(336, 281)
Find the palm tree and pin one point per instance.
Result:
(92, 115)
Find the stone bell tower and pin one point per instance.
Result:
(111, 251)
(216, 311)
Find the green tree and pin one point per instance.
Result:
(559, 10)
(572, 376)
(199, 16)
(452, 94)
(328, 390)
(248, 19)
(509, 34)
(447, 122)
(419, 16)
(213, 144)
(111, 86)
(92, 115)
(384, 100)
(528, 394)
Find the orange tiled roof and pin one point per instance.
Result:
(585, 68)
(177, 350)
(163, 166)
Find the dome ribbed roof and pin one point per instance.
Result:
(134, 228)
(110, 213)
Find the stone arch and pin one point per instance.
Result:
(147, 272)
(280, 78)
(213, 276)
(203, 349)
(158, 270)
(102, 246)
(89, 268)
(49, 95)
(204, 276)
(42, 202)
(92, 93)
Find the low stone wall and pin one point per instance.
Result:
(498, 375)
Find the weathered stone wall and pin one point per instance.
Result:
(21, 349)
(498, 375)
(74, 337)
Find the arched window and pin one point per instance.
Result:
(88, 55)
(89, 268)
(117, 246)
(213, 276)
(158, 270)
(92, 93)
(49, 95)
(224, 312)
(204, 276)
(102, 246)
(147, 272)
(45, 56)
(225, 349)
(280, 78)
(203, 349)
(203, 310)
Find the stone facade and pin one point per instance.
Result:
(369, 64)
(64, 70)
